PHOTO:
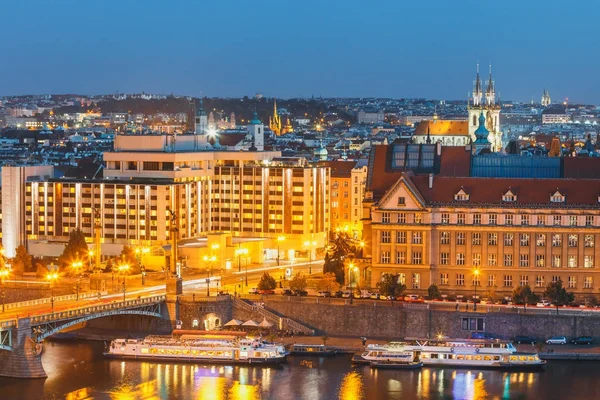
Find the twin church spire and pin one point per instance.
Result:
(481, 97)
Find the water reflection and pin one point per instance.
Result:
(352, 387)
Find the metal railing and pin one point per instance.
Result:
(122, 305)
(271, 315)
(48, 300)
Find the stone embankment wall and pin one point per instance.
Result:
(15, 295)
(398, 322)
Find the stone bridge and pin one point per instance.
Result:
(20, 339)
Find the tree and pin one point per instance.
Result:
(298, 282)
(558, 295)
(128, 257)
(524, 295)
(75, 249)
(328, 283)
(433, 292)
(21, 262)
(390, 286)
(109, 266)
(267, 282)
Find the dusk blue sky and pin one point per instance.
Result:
(301, 48)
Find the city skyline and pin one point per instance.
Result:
(388, 50)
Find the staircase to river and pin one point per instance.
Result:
(272, 315)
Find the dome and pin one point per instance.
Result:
(255, 120)
(481, 134)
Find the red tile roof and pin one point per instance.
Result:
(382, 177)
(339, 168)
(581, 167)
(455, 161)
(443, 127)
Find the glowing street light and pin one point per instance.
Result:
(52, 277)
(280, 239)
(77, 266)
(239, 252)
(4, 272)
(310, 245)
(476, 275)
(209, 260)
(123, 268)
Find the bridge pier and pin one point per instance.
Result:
(23, 361)
(174, 292)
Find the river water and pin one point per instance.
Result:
(77, 371)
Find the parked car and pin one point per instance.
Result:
(557, 340)
(253, 290)
(486, 300)
(413, 298)
(356, 295)
(337, 294)
(365, 295)
(287, 292)
(323, 293)
(375, 296)
(483, 335)
(543, 303)
(266, 291)
(525, 339)
(582, 340)
(300, 293)
(346, 294)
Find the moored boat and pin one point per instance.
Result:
(213, 350)
(396, 360)
(311, 350)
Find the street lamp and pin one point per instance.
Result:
(239, 253)
(123, 268)
(476, 275)
(139, 256)
(280, 239)
(90, 256)
(208, 260)
(4, 272)
(52, 277)
(310, 245)
(77, 265)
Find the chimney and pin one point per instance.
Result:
(431, 181)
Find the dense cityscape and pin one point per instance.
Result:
(269, 246)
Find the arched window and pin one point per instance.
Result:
(474, 120)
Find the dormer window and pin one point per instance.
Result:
(461, 195)
(509, 197)
(557, 197)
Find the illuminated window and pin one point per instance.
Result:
(492, 260)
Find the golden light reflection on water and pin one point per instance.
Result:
(244, 392)
(211, 388)
(479, 391)
(352, 387)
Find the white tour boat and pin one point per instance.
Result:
(217, 350)
(472, 353)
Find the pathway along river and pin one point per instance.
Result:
(77, 370)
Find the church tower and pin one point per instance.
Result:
(201, 122)
(257, 130)
(484, 102)
(546, 98)
(275, 120)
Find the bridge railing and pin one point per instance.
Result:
(8, 324)
(48, 300)
(121, 305)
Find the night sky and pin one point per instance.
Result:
(287, 49)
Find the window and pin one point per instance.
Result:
(461, 218)
(524, 219)
(508, 219)
(460, 238)
(557, 197)
(476, 280)
(477, 219)
(401, 201)
(402, 278)
(445, 238)
(508, 239)
(555, 278)
(460, 258)
(588, 282)
(401, 218)
(588, 261)
(509, 197)
(589, 240)
(540, 260)
(460, 279)
(541, 220)
(539, 281)
(524, 280)
(385, 218)
(476, 259)
(523, 260)
(385, 257)
(416, 280)
(492, 260)
(556, 262)
(400, 257)
(461, 196)
(493, 219)
(572, 282)
(473, 324)
(492, 239)
(444, 279)
(508, 260)
(540, 240)
(445, 258)
(386, 236)
(417, 257)
(573, 220)
(418, 218)
(445, 218)
(492, 280)
(417, 237)
(401, 237)
(524, 239)
(572, 240)
(589, 220)
(572, 261)
(507, 280)
(556, 240)
(557, 219)
(476, 239)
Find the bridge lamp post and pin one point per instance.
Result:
(310, 245)
(239, 252)
(476, 282)
(3, 275)
(139, 255)
(90, 258)
(77, 266)
(208, 261)
(280, 239)
(52, 277)
(123, 268)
